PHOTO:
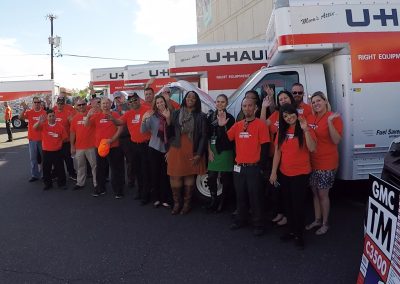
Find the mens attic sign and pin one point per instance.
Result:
(380, 261)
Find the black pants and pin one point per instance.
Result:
(124, 143)
(249, 191)
(160, 186)
(225, 179)
(140, 163)
(277, 200)
(294, 190)
(66, 150)
(114, 160)
(53, 159)
(8, 128)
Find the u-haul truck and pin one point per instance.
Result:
(217, 68)
(15, 92)
(349, 51)
(135, 78)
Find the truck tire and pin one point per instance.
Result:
(202, 192)
(17, 123)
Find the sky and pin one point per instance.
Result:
(138, 30)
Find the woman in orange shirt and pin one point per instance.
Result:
(293, 145)
(328, 127)
(283, 97)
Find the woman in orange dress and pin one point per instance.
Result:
(186, 157)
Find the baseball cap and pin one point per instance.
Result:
(119, 94)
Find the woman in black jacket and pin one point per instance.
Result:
(186, 157)
(220, 154)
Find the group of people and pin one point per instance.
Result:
(279, 144)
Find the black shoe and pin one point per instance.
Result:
(236, 226)
(47, 187)
(299, 242)
(32, 179)
(287, 237)
(78, 187)
(62, 186)
(9, 140)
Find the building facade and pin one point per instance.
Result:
(232, 20)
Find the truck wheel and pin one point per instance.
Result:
(203, 193)
(17, 123)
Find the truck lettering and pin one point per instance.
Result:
(114, 76)
(381, 132)
(383, 194)
(155, 73)
(382, 17)
(255, 55)
(380, 228)
(366, 56)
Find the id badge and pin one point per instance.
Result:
(236, 168)
(213, 141)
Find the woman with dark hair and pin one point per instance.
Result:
(293, 145)
(328, 127)
(283, 97)
(187, 134)
(155, 122)
(220, 154)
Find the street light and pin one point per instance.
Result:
(54, 41)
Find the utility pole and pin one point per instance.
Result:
(51, 41)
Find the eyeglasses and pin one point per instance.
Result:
(79, 105)
(133, 100)
(297, 93)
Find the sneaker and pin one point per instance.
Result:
(166, 205)
(73, 177)
(32, 179)
(118, 196)
(156, 204)
(78, 187)
(282, 222)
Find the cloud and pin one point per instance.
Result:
(18, 65)
(158, 20)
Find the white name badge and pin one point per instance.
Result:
(236, 168)
(213, 141)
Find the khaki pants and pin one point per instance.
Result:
(80, 158)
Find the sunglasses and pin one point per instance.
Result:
(133, 100)
(79, 105)
(298, 93)
(36, 102)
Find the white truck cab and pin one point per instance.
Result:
(350, 52)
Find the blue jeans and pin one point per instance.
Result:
(35, 147)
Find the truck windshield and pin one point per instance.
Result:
(243, 86)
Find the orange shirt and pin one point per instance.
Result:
(294, 160)
(248, 143)
(7, 113)
(84, 136)
(133, 120)
(104, 128)
(67, 107)
(52, 136)
(326, 156)
(62, 117)
(304, 110)
(33, 117)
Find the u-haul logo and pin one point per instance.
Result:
(384, 17)
(235, 56)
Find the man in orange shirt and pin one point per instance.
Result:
(64, 116)
(82, 145)
(139, 145)
(53, 135)
(105, 129)
(303, 109)
(148, 97)
(34, 135)
(252, 140)
(7, 119)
